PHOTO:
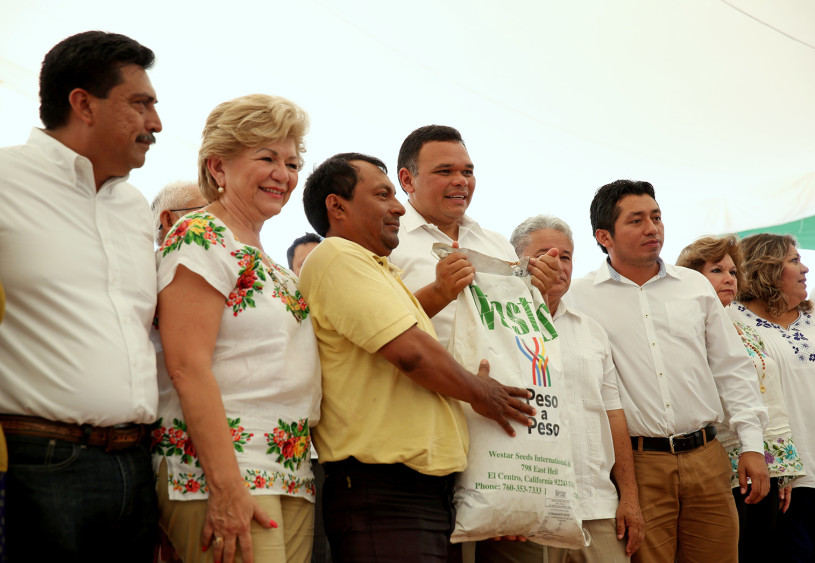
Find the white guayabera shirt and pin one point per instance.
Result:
(78, 269)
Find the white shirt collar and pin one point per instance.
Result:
(78, 166)
(413, 220)
(607, 272)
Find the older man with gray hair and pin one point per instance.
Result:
(173, 202)
(600, 440)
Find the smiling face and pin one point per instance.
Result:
(443, 185)
(722, 275)
(258, 181)
(539, 244)
(372, 215)
(793, 283)
(638, 235)
(123, 124)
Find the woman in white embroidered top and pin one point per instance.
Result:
(774, 300)
(720, 260)
(240, 380)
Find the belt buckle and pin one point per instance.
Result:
(671, 442)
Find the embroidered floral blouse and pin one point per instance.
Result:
(780, 452)
(265, 362)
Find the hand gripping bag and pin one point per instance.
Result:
(523, 485)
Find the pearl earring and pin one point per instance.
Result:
(220, 189)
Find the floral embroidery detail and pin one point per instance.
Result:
(291, 443)
(189, 483)
(781, 457)
(256, 479)
(239, 437)
(285, 289)
(175, 441)
(198, 228)
(752, 340)
(250, 279)
(801, 346)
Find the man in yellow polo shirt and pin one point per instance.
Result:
(392, 431)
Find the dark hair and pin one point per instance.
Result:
(334, 176)
(90, 60)
(764, 257)
(604, 210)
(305, 239)
(413, 143)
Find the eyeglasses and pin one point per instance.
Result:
(187, 209)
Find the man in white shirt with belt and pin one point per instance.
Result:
(679, 363)
(436, 172)
(601, 446)
(77, 368)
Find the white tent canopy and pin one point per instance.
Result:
(709, 100)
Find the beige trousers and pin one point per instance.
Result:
(604, 546)
(183, 522)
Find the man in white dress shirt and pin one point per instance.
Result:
(436, 172)
(681, 368)
(77, 368)
(600, 442)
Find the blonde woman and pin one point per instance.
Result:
(240, 381)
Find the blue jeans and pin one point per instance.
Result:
(65, 501)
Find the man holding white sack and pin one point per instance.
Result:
(436, 172)
(600, 442)
(681, 368)
(391, 433)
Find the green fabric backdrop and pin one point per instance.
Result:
(802, 229)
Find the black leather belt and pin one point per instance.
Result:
(676, 443)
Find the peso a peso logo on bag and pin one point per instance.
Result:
(536, 354)
(532, 329)
(539, 382)
(524, 320)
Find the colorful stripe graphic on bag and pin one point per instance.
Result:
(540, 362)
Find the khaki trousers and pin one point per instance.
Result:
(183, 522)
(604, 546)
(690, 515)
(503, 551)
